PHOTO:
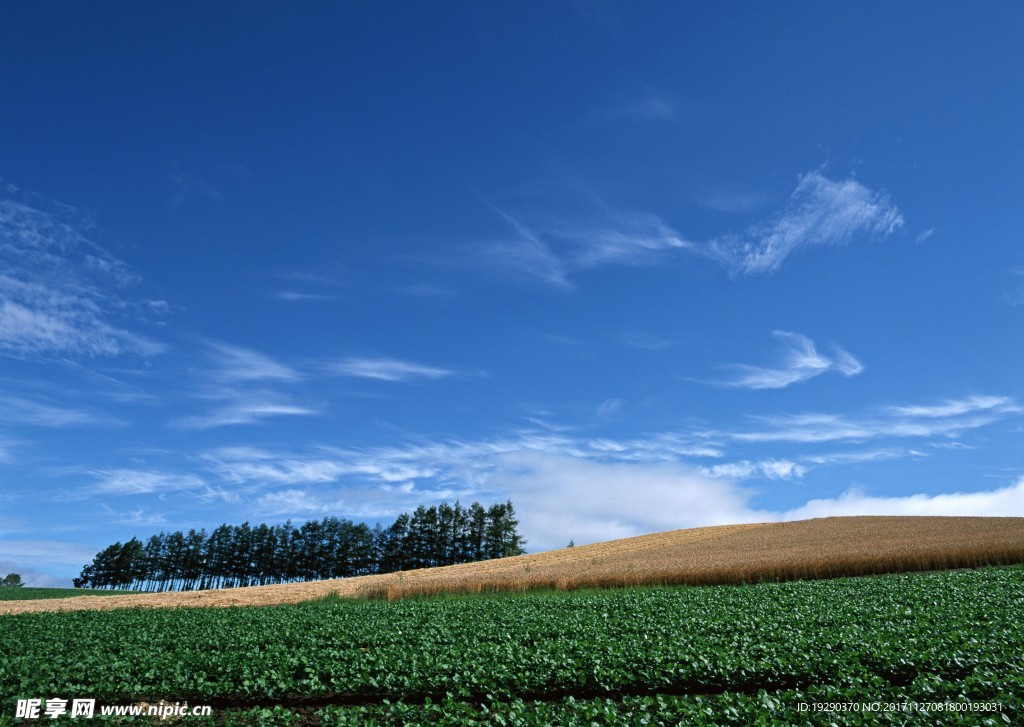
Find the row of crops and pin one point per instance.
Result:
(765, 654)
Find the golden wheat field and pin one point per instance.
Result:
(726, 554)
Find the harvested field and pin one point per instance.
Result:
(806, 549)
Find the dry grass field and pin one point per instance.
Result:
(728, 554)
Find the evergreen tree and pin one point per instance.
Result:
(242, 555)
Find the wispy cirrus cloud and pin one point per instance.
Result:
(251, 464)
(654, 106)
(654, 448)
(207, 186)
(446, 464)
(608, 408)
(123, 481)
(236, 382)
(245, 406)
(619, 238)
(1015, 296)
(861, 456)
(136, 516)
(670, 483)
(957, 407)
(238, 364)
(305, 286)
(924, 236)
(61, 294)
(374, 479)
(800, 361)
(389, 369)
(555, 250)
(646, 341)
(292, 296)
(527, 254)
(31, 412)
(294, 501)
(949, 419)
(820, 212)
(182, 188)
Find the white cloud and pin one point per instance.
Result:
(566, 487)
(297, 286)
(528, 254)
(6, 445)
(34, 413)
(800, 362)
(819, 212)
(388, 369)
(236, 363)
(560, 498)
(142, 482)
(44, 552)
(647, 342)
(477, 468)
(601, 238)
(772, 469)
(245, 464)
(237, 379)
(861, 455)
(653, 107)
(958, 407)
(1003, 502)
(297, 502)
(662, 447)
(1016, 296)
(295, 297)
(242, 407)
(383, 481)
(138, 516)
(33, 578)
(426, 290)
(623, 238)
(608, 408)
(184, 188)
(949, 419)
(60, 293)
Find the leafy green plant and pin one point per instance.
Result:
(701, 655)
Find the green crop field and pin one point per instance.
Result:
(910, 649)
(32, 594)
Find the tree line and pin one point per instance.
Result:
(245, 555)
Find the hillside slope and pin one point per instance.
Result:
(819, 548)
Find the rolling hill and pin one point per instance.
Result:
(727, 554)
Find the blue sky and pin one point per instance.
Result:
(636, 267)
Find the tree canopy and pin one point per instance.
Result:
(248, 555)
